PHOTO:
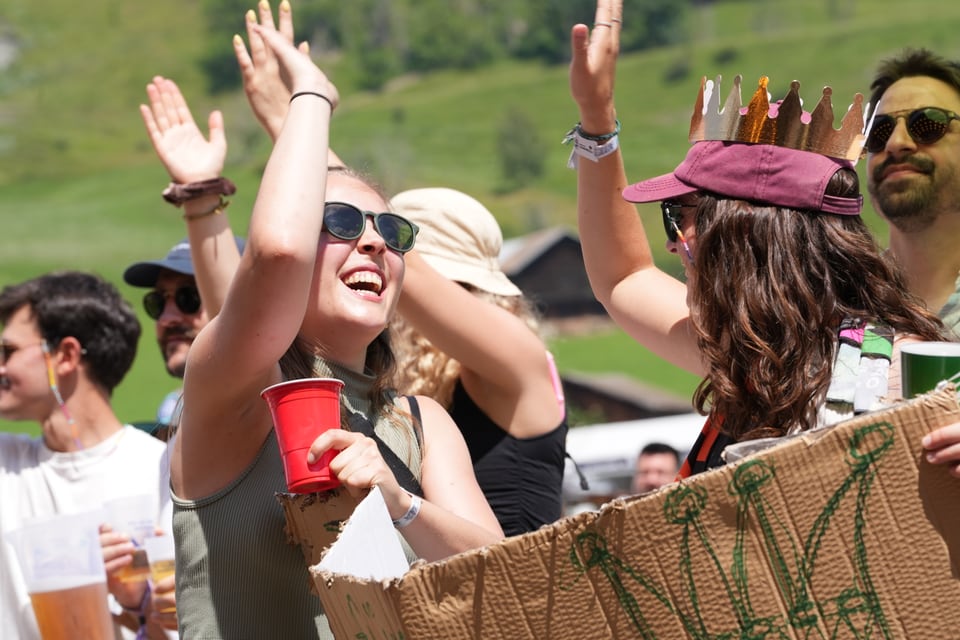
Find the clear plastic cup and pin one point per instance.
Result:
(134, 516)
(62, 565)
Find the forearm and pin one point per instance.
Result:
(286, 218)
(436, 533)
(482, 336)
(611, 234)
(213, 250)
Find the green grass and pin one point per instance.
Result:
(614, 350)
(79, 184)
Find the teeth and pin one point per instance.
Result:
(364, 280)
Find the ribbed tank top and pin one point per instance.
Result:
(237, 575)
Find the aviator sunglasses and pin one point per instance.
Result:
(187, 299)
(345, 221)
(925, 125)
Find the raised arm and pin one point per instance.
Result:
(189, 158)
(236, 355)
(265, 90)
(643, 300)
(504, 363)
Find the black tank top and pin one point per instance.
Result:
(521, 478)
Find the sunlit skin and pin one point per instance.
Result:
(366, 258)
(175, 329)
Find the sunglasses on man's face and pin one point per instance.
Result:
(925, 126)
(345, 221)
(187, 299)
(673, 218)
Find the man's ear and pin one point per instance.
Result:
(68, 355)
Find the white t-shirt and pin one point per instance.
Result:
(36, 481)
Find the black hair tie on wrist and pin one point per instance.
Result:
(313, 93)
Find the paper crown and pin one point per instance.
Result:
(783, 123)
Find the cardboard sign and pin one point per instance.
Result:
(842, 533)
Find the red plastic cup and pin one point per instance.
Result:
(302, 410)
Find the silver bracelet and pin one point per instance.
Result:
(411, 513)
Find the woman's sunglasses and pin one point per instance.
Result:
(187, 299)
(345, 221)
(672, 217)
(925, 126)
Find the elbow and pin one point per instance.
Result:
(280, 249)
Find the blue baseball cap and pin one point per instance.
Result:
(145, 274)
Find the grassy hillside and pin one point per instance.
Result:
(79, 185)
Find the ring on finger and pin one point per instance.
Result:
(602, 24)
(616, 20)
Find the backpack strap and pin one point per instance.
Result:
(360, 424)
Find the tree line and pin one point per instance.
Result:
(382, 39)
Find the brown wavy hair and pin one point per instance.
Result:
(425, 370)
(770, 288)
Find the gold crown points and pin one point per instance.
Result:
(783, 124)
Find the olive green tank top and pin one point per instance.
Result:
(237, 575)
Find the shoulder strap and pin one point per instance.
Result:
(360, 424)
(417, 420)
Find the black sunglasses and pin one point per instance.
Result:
(925, 125)
(187, 299)
(347, 222)
(672, 217)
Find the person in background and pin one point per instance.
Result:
(913, 176)
(657, 465)
(68, 340)
(181, 301)
(913, 173)
(174, 303)
(468, 338)
(790, 313)
(312, 295)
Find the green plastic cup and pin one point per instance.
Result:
(923, 365)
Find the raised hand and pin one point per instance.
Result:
(266, 92)
(593, 66)
(296, 69)
(187, 155)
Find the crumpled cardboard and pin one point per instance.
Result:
(842, 533)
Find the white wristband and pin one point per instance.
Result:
(590, 149)
(411, 513)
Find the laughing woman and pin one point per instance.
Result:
(312, 296)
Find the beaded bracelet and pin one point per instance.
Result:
(141, 613)
(577, 131)
(216, 210)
